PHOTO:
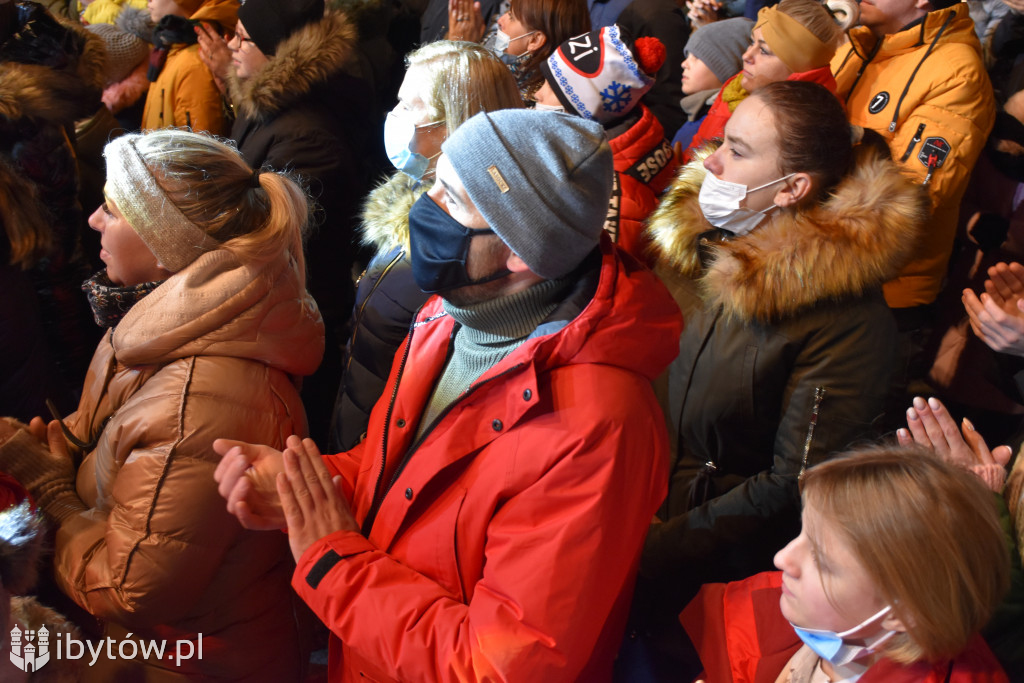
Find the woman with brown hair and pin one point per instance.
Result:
(777, 246)
(531, 30)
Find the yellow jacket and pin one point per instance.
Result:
(184, 93)
(926, 91)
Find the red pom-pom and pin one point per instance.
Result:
(649, 53)
(12, 493)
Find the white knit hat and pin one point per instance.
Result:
(174, 239)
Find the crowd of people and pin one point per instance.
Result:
(682, 333)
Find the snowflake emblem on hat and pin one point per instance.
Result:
(616, 96)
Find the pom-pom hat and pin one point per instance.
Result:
(602, 75)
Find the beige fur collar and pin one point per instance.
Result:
(386, 212)
(309, 57)
(857, 239)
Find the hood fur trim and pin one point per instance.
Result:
(386, 212)
(856, 240)
(60, 97)
(307, 58)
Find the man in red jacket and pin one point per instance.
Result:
(489, 525)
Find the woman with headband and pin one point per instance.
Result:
(208, 329)
(792, 41)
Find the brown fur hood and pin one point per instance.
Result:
(386, 212)
(58, 96)
(857, 239)
(306, 59)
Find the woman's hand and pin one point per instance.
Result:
(214, 53)
(465, 21)
(245, 477)
(997, 316)
(931, 425)
(702, 12)
(312, 501)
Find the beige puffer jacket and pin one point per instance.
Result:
(213, 352)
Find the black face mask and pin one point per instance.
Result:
(438, 247)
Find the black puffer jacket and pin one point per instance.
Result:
(786, 361)
(304, 112)
(387, 298)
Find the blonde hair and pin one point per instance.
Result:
(929, 537)
(465, 79)
(813, 16)
(214, 188)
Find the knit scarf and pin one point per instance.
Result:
(111, 302)
(487, 333)
(733, 93)
(170, 31)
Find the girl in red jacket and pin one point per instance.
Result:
(900, 562)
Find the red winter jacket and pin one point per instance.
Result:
(713, 126)
(644, 167)
(507, 540)
(742, 637)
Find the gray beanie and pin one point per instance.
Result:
(124, 51)
(720, 45)
(541, 179)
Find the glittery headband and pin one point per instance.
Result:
(792, 42)
(174, 240)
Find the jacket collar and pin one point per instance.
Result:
(919, 33)
(857, 239)
(308, 58)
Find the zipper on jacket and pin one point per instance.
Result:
(188, 119)
(375, 508)
(906, 89)
(819, 394)
(163, 94)
(913, 143)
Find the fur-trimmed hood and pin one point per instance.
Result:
(29, 89)
(308, 58)
(856, 240)
(386, 212)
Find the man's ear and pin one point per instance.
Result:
(516, 264)
(794, 189)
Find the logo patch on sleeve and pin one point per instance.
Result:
(934, 152)
(878, 102)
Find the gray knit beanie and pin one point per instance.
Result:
(720, 45)
(125, 51)
(541, 179)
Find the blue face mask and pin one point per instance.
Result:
(438, 248)
(398, 135)
(832, 646)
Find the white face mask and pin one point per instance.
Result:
(398, 135)
(832, 646)
(720, 201)
(502, 41)
(540, 106)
